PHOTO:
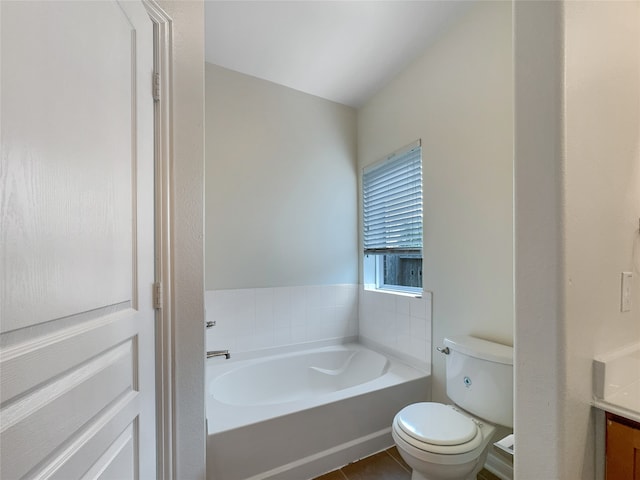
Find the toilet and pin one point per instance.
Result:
(451, 442)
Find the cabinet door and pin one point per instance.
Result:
(623, 451)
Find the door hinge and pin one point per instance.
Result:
(156, 87)
(157, 295)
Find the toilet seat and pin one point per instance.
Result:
(437, 428)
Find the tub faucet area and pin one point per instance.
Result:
(219, 353)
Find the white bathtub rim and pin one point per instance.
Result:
(222, 417)
(218, 365)
(303, 346)
(237, 356)
(296, 376)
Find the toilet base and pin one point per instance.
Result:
(447, 474)
(415, 475)
(425, 470)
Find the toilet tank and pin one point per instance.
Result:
(479, 376)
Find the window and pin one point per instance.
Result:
(392, 222)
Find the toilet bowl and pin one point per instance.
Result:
(440, 442)
(451, 442)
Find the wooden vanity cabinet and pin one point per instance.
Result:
(623, 448)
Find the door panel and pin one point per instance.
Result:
(77, 359)
(85, 452)
(117, 462)
(46, 356)
(68, 134)
(64, 406)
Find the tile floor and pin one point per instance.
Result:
(386, 465)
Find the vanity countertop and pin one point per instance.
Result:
(625, 403)
(616, 382)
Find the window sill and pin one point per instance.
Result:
(392, 291)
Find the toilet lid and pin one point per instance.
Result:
(436, 424)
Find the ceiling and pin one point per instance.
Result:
(344, 51)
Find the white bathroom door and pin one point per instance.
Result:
(77, 355)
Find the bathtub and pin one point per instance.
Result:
(296, 415)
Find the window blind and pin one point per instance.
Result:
(392, 203)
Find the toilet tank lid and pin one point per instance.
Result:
(479, 348)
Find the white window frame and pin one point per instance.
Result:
(373, 264)
(380, 285)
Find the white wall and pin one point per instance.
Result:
(577, 209)
(539, 331)
(457, 98)
(281, 186)
(602, 202)
(187, 224)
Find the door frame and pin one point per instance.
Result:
(163, 122)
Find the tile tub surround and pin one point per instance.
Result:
(398, 324)
(260, 318)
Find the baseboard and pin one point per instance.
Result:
(500, 467)
(341, 455)
(331, 459)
